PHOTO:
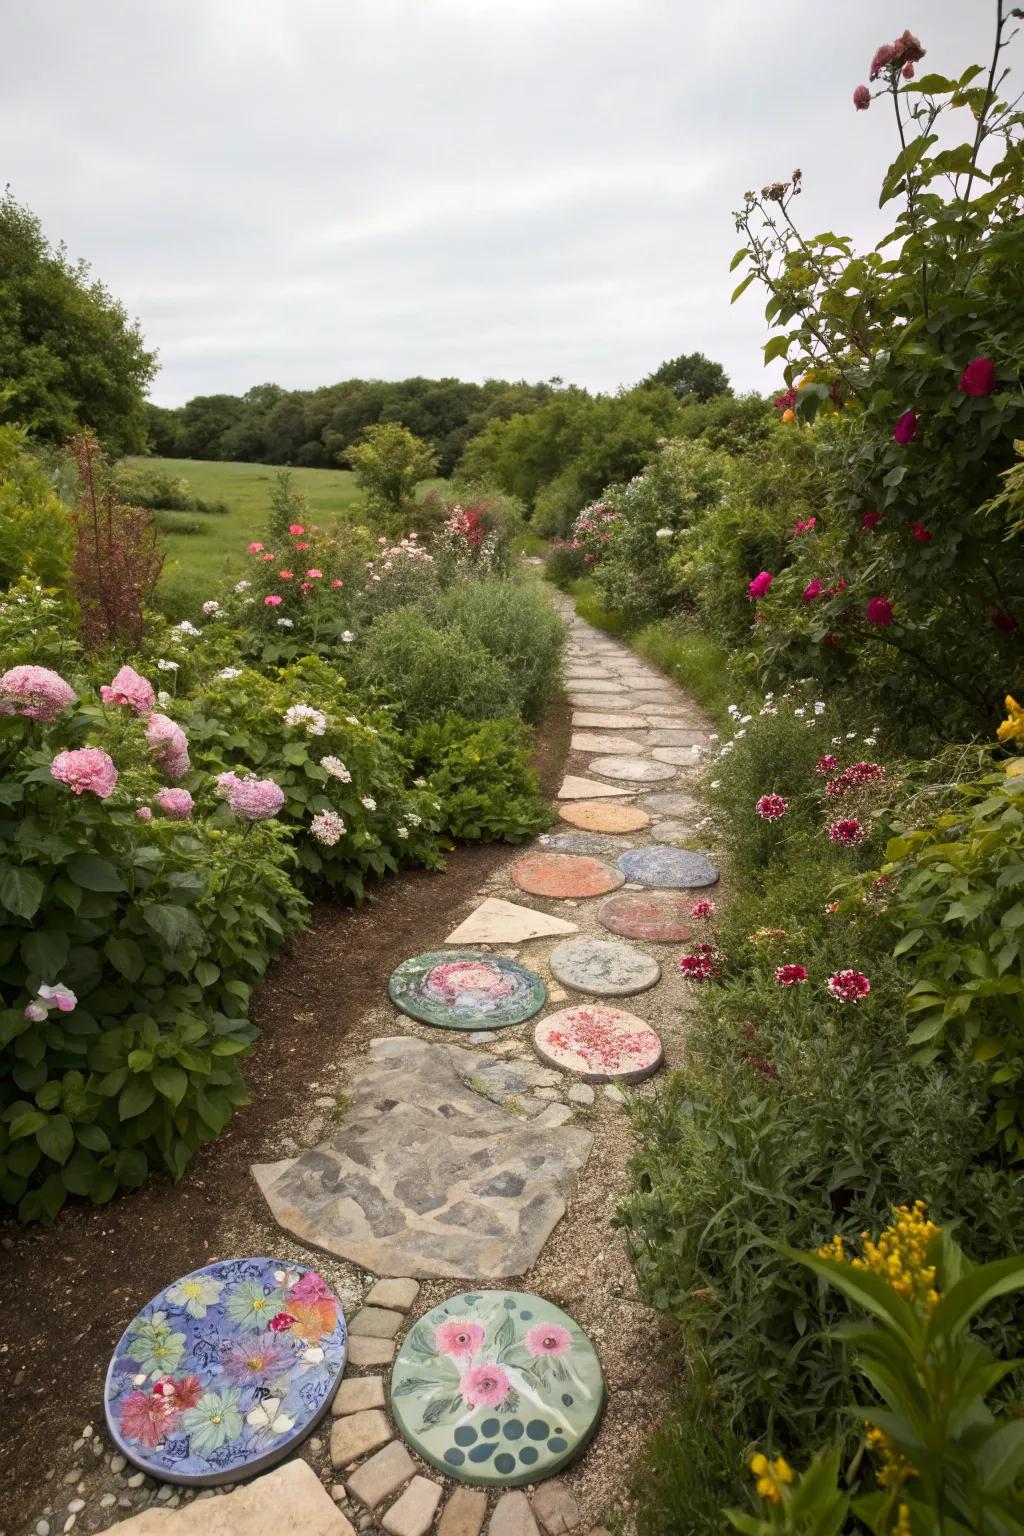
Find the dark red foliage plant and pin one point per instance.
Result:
(117, 556)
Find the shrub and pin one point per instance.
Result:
(388, 462)
(288, 508)
(145, 485)
(117, 559)
(563, 563)
(481, 776)
(35, 531)
(515, 623)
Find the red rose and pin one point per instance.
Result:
(905, 429)
(979, 377)
(862, 98)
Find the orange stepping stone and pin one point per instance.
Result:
(565, 874)
(604, 816)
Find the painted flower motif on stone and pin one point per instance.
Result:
(213, 1422)
(250, 1306)
(548, 1339)
(484, 1386)
(458, 1338)
(147, 1418)
(195, 1293)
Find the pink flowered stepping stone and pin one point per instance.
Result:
(598, 1044)
(564, 875)
(660, 917)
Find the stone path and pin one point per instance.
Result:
(393, 1187)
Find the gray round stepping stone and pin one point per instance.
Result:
(457, 989)
(659, 917)
(225, 1371)
(668, 869)
(638, 770)
(498, 1388)
(598, 1043)
(593, 844)
(671, 804)
(672, 831)
(603, 967)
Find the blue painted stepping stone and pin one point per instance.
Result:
(225, 1371)
(459, 989)
(668, 869)
(497, 1388)
(596, 845)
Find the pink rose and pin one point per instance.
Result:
(862, 98)
(879, 611)
(760, 584)
(255, 549)
(979, 377)
(811, 591)
(296, 529)
(271, 600)
(905, 429)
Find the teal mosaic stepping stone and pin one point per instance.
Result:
(668, 869)
(459, 989)
(497, 1388)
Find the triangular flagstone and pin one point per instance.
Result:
(504, 922)
(574, 788)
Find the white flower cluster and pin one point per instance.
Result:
(312, 720)
(336, 768)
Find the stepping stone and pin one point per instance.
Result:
(503, 922)
(529, 1381)
(375, 1323)
(458, 989)
(604, 818)
(593, 741)
(602, 967)
(574, 788)
(247, 1394)
(464, 1513)
(577, 669)
(564, 875)
(660, 917)
(598, 721)
(668, 869)
(601, 684)
(675, 736)
(598, 1044)
(413, 1513)
(513, 1517)
(665, 711)
(290, 1499)
(672, 804)
(593, 844)
(556, 1508)
(361, 1351)
(357, 1393)
(397, 1293)
(427, 1175)
(638, 770)
(378, 1478)
(682, 757)
(620, 702)
(356, 1434)
(677, 832)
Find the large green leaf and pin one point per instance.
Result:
(972, 1293)
(1001, 1459)
(135, 1097)
(56, 1138)
(171, 1081)
(866, 1289)
(94, 874)
(45, 952)
(21, 890)
(125, 956)
(174, 925)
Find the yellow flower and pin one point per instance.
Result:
(1012, 728)
(902, 1526)
(900, 1256)
(771, 1476)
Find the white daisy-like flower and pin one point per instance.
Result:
(741, 733)
(819, 706)
(799, 713)
(414, 821)
(286, 623)
(163, 697)
(663, 533)
(369, 802)
(163, 665)
(420, 784)
(871, 741)
(347, 637)
(186, 627)
(242, 586)
(851, 735)
(211, 606)
(351, 720)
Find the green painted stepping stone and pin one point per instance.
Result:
(497, 1388)
(459, 989)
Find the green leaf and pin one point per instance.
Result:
(778, 346)
(171, 1081)
(972, 1293)
(94, 874)
(171, 924)
(93, 1136)
(135, 1097)
(56, 1138)
(742, 287)
(26, 1124)
(45, 952)
(738, 258)
(868, 1290)
(131, 1167)
(125, 956)
(21, 891)
(1000, 1459)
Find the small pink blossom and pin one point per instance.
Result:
(772, 807)
(57, 996)
(921, 534)
(271, 600)
(336, 582)
(827, 763)
(759, 586)
(225, 783)
(848, 986)
(702, 964)
(703, 909)
(485, 1386)
(847, 831)
(144, 813)
(86, 768)
(907, 71)
(547, 1339)
(35, 692)
(296, 529)
(862, 98)
(169, 744)
(128, 687)
(255, 549)
(314, 573)
(458, 1338)
(175, 803)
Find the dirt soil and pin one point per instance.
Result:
(70, 1290)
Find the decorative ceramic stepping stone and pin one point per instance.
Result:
(598, 1044)
(671, 804)
(660, 917)
(676, 832)
(603, 967)
(497, 1388)
(225, 1371)
(639, 770)
(594, 741)
(593, 844)
(504, 922)
(563, 875)
(600, 816)
(457, 989)
(672, 869)
(575, 788)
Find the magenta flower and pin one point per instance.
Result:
(485, 1386)
(702, 964)
(128, 687)
(175, 803)
(790, 975)
(255, 799)
(458, 1338)
(879, 611)
(35, 692)
(271, 600)
(848, 986)
(812, 590)
(871, 519)
(86, 768)
(862, 98)
(905, 429)
(225, 784)
(760, 584)
(548, 1339)
(245, 1364)
(921, 534)
(979, 377)
(827, 763)
(883, 56)
(1005, 622)
(703, 909)
(311, 1287)
(772, 807)
(169, 744)
(847, 831)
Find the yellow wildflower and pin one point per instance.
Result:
(771, 1476)
(900, 1255)
(902, 1526)
(1012, 728)
(895, 1468)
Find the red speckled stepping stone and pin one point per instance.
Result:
(662, 917)
(597, 816)
(564, 875)
(599, 1044)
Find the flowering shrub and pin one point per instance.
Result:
(465, 541)
(591, 533)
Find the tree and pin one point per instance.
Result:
(69, 356)
(388, 464)
(692, 374)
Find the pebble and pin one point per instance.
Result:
(118, 1462)
(616, 1095)
(108, 1501)
(75, 1506)
(164, 1493)
(325, 1102)
(42, 1528)
(136, 1480)
(124, 1502)
(580, 1093)
(73, 1475)
(87, 1432)
(69, 1523)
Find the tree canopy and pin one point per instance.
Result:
(692, 374)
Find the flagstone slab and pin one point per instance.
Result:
(289, 1499)
(427, 1175)
(676, 832)
(659, 917)
(504, 922)
(595, 816)
(458, 989)
(564, 875)
(576, 669)
(497, 1388)
(599, 1044)
(616, 701)
(672, 803)
(596, 720)
(254, 1349)
(603, 967)
(638, 770)
(576, 788)
(680, 757)
(594, 845)
(602, 684)
(668, 868)
(593, 741)
(675, 736)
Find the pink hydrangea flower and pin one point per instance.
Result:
(862, 98)
(760, 584)
(144, 813)
(879, 611)
(35, 692)
(790, 975)
(485, 1386)
(175, 803)
(271, 600)
(225, 783)
(128, 687)
(847, 831)
(169, 744)
(547, 1339)
(255, 799)
(459, 1338)
(979, 377)
(848, 986)
(327, 827)
(86, 768)
(905, 429)
(772, 807)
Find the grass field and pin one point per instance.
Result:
(214, 545)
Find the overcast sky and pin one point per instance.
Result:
(309, 190)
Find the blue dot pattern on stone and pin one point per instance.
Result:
(668, 869)
(497, 1388)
